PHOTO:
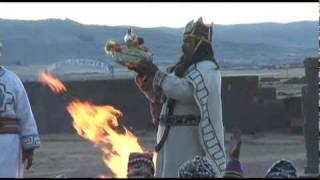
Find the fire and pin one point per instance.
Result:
(104, 177)
(154, 159)
(99, 124)
(54, 83)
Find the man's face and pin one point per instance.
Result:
(188, 45)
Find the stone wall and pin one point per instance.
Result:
(50, 109)
(239, 99)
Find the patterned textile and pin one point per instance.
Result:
(180, 120)
(30, 142)
(208, 96)
(197, 167)
(9, 125)
(281, 169)
(202, 84)
(140, 165)
(14, 103)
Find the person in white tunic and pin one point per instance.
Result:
(18, 130)
(186, 104)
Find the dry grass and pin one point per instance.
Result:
(70, 155)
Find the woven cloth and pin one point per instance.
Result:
(198, 167)
(281, 169)
(140, 165)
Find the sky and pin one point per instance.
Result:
(162, 14)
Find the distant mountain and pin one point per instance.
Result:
(51, 40)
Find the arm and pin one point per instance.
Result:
(233, 169)
(154, 96)
(144, 84)
(162, 83)
(174, 87)
(29, 132)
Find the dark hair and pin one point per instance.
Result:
(204, 52)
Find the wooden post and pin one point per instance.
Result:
(310, 107)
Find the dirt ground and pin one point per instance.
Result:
(72, 156)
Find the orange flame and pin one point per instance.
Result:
(154, 159)
(53, 82)
(99, 124)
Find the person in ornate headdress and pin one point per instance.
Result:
(186, 105)
(18, 130)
